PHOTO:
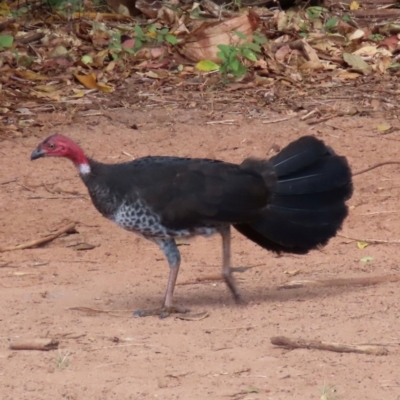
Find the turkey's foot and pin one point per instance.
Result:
(162, 312)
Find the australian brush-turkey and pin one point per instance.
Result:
(291, 203)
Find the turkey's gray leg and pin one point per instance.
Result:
(225, 232)
(171, 251)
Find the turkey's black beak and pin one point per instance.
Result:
(37, 153)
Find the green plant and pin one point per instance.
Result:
(6, 41)
(232, 57)
(346, 18)
(316, 12)
(18, 12)
(62, 361)
(328, 392)
(331, 24)
(65, 7)
(303, 29)
(140, 37)
(162, 35)
(376, 37)
(394, 65)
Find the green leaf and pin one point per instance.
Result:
(138, 45)
(221, 55)
(366, 259)
(163, 31)
(207, 66)
(331, 23)
(240, 35)
(241, 71)
(315, 12)
(346, 18)
(6, 41)
(225, 48)
(132, 51)
(159, 38)
(259, 38)
(87, 59)
(235, 65)
(249, 54)
(171, 39)
(253, 46)
(376, 36)
(138, 30)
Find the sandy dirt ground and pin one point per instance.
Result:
(85, 298)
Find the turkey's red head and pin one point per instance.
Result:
(60, 146)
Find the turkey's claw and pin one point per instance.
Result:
(162, 312)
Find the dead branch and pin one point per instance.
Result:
(30, 37)
(371, 241)
(34, 344)
(274, 121)
(192, 316)
(373, 280)
(323, 119)
(288, 343)
(95, 311)
(215, 10)
(70, 228)
(376, 166)
(202, 279)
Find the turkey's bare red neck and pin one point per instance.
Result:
(80, 161)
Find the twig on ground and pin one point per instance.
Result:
(122, 345)
(381, 212)
(247, 328)
(323, 119)
(373, 280)
(70, 228)
(308, 115)
(202, 279)
(10, 181)
(98, 311)
(288, 343)
(371, 241)
(376, 166)
(34, 344)
(224, 122)
(273, 121)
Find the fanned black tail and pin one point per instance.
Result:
(309, 185)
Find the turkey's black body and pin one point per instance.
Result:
(292, 203)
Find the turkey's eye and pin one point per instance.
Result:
(51, 145)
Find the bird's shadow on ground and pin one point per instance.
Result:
(206, 296)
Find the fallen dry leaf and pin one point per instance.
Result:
(391, 43)
(202, 43)
(371, 51)
(90, 82)
(312, 65)
(357, 63)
